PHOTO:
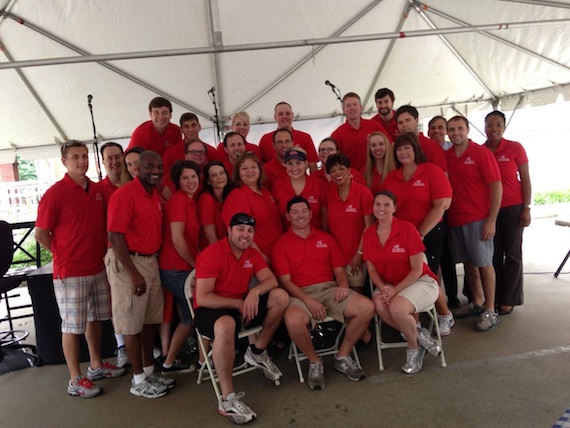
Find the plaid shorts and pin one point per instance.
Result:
(81, 299)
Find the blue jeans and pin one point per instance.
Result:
(173, 281)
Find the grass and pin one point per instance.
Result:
(552, 197)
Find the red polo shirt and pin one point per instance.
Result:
(283, 191)
(434, 152)
(138, 216)
(274, 170)
(210, 213)
(300, 138)
(262, 208)
(108, 188)
(229, 168)
(346, 219)
(391, 126)
(415, 196)
(147, 137)
(353, 142)
(470, 175)
(510, 155)
(376, 184)
(232, 275)
(76, 219)
(308, 260)
(179, 208)
(392, 260)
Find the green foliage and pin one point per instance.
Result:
(30, 247)
(552, 197)
(26, 169)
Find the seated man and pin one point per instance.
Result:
(310, 266)
(224, 300)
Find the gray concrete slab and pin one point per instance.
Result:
(515, 376)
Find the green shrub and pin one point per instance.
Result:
(30, 246)
(552, 197)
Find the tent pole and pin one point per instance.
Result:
(541, 3)
(275, 45)
(499, 39)
(40, 102)
(315, 51)
(217, 42)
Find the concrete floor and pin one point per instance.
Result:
(515, 376)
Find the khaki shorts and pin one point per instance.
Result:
(422, 294)
(358, 280)
(131, 312)
(324, 293)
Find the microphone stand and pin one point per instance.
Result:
(335, 91)
(218, 130)
(95, 139)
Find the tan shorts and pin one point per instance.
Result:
(131, 312)
(324, 293)
(357, 280)
(422, 294)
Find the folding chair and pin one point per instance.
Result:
(330, 350)
(381, 345)
(207, 371)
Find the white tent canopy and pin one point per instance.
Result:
(439, 55)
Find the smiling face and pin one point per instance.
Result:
(377, 146)
(340, 175)
(160, 117)
(282, 143)
(113, 160)
(326, 149)
(384, 105)
(217, 177)
(132, 162)
(150, 169)
(406, 155)
(189, 181)
(352, 108)
(296, 168)
(438, 130)
(458, 132)
(299, 216)
(249, 173)
(234, 147)
(283, 116)
(494, 128)
(241, 126)
(191, 129)
(383, 208)
(241, 236)
(196, 152)
(76, 160)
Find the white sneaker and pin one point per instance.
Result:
(148, 388)
(235, 409)
(122, 357)
(445, 323)
(263, 362)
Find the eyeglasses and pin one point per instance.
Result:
(327, 149)
(197, 152)
(70, 143)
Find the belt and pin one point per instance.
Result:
(137, 254)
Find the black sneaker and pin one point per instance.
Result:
(470, 311)
(178, 367)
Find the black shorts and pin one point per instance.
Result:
(206, 318)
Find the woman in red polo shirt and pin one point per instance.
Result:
(424, 193)
(514, 214)
(298, 183)
(404, 284)
(215, 189)
(379, 162)
(249, 196)
(348, 211)
(177, 257)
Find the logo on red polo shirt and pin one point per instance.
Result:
(350, 209)
(396, 249)
(321, 244)
(419, 183)
(469, 161)
(312, 200)
(98, 197)
(167, 143)
(247, 264)
(503, 158)
(272, 200)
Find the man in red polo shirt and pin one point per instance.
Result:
(310, 267)
(284, 117)
(114, 162)
(352, 136)
(71, 225)
(224, 300)
(190, 126)
(275, 169)
(134, 223)
(472, 216)
(386, 115)
(234, 146)
(407, 118)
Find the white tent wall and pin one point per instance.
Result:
(44, 104)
